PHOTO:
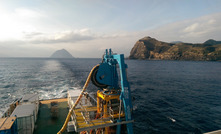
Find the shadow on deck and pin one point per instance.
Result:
(51, 118)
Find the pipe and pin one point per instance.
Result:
(79, 98)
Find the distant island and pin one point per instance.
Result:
(61, 54)
(150, 48)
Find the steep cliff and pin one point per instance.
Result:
(150, 48)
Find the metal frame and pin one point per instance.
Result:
(125, 96)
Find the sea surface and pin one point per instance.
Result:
(170, 97)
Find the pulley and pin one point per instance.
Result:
(94, 79)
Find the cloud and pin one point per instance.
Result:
(59, 37)
(12, 43)
(73, 36)
(192, 30)
(26, 13)
(203, 26)
(29, 35)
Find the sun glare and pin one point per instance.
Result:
(9, 28)
(14, 25)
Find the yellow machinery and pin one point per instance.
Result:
(108, 105)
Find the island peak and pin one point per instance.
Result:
(61, 54)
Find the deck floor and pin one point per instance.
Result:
(46, 123)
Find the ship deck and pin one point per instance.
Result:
(48, 123)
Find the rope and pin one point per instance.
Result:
(79, 98)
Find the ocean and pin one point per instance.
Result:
(170, 97)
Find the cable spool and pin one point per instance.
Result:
(94, 80)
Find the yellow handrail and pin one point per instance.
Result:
(75, 104)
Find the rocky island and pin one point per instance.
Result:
(61, 54)
(150, 48)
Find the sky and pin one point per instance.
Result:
(85, 28)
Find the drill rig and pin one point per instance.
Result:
(112, 112)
